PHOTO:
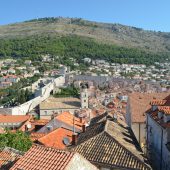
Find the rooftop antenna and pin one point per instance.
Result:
(90, 114)
(73, 124)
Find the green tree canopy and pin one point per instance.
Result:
(18, 140)
(77, 47)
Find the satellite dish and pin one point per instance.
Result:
(66, 141)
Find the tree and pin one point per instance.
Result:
(18, 140)
(67, 92)
(33, 47)
(43, 68)
(21, 97)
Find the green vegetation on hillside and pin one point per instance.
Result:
(108, 33)
(76, 47)
(47, 19)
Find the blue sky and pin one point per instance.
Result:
(147, 14)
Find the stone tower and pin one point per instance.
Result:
(84, 96)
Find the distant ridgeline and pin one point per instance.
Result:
(75, 21)
(77, 47)
(78, 38)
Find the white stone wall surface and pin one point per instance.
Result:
(43, 92)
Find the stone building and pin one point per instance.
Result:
(54, 105)
(66, 120)
(14, 122)
(158, 134)
(137, 105)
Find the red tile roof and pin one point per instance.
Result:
(8, 156)
(111, 144)
(35, 136)
(68, 118)
(158, 102)
(14, 118)
(39, 122)
(164, 109)
(42, 158)
(154, 115)
(140, 103)
(56, 138)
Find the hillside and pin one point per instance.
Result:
(109, 33)
(86, 38)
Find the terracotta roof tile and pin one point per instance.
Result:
(99, 118)
(110, 144)
(42, 158)
(14, 118)
(164, 109)
(35, 136)
(34, 123)
(39, 122)
(140, 103)
(8, 157)
(56, 138)
(68, 118)
(158, 102)
(154, 116)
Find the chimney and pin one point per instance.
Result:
(74, 139)
(81, 120)
(26, 128)
(84, 128)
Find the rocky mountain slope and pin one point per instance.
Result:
(102, 32)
